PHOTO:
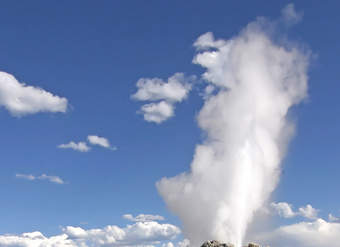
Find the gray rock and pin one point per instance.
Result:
(214, 243)
(253, 245)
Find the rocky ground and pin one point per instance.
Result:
(214, 243)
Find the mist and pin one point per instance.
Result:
(252, 83)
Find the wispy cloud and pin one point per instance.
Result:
(100, 141)
(143, 217)
(333, 218)
(92, 140)
(80, 146)
(20, 99)
(30, 177)
(290, 15)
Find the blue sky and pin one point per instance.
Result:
(92, 54)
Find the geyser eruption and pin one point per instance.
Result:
(236, 168)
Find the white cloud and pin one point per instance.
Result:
(100, 141)
(93, 140)
(176, 89)
(138, 234)
(35, 239)
(80, 146)
(20, 99)
(184, 243)
(283, 209)
(318, 233)
(332, 218)
(168, 244)
(26, 176)
(208, 91)
(75, 232)
(289, 14)
(157, 112)
(207, 41)
(143, 217)
(308, 212)
(52, 179)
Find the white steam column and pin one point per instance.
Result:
(235, 169)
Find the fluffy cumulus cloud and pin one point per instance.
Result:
(138, 234)
(52, 179)
(80, 146)
(285, 210)
(21, 99)
(157, 112)
(143, 217)
(100, 141)
(318, 233)
(35, 239)
(308, 212)
(311, 232)
(174, 90)
(165, 93)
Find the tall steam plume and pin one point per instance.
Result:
(236, 168)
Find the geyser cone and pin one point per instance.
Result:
(214, 243)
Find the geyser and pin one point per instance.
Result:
(256, 81)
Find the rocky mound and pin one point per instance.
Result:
(214, 243)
